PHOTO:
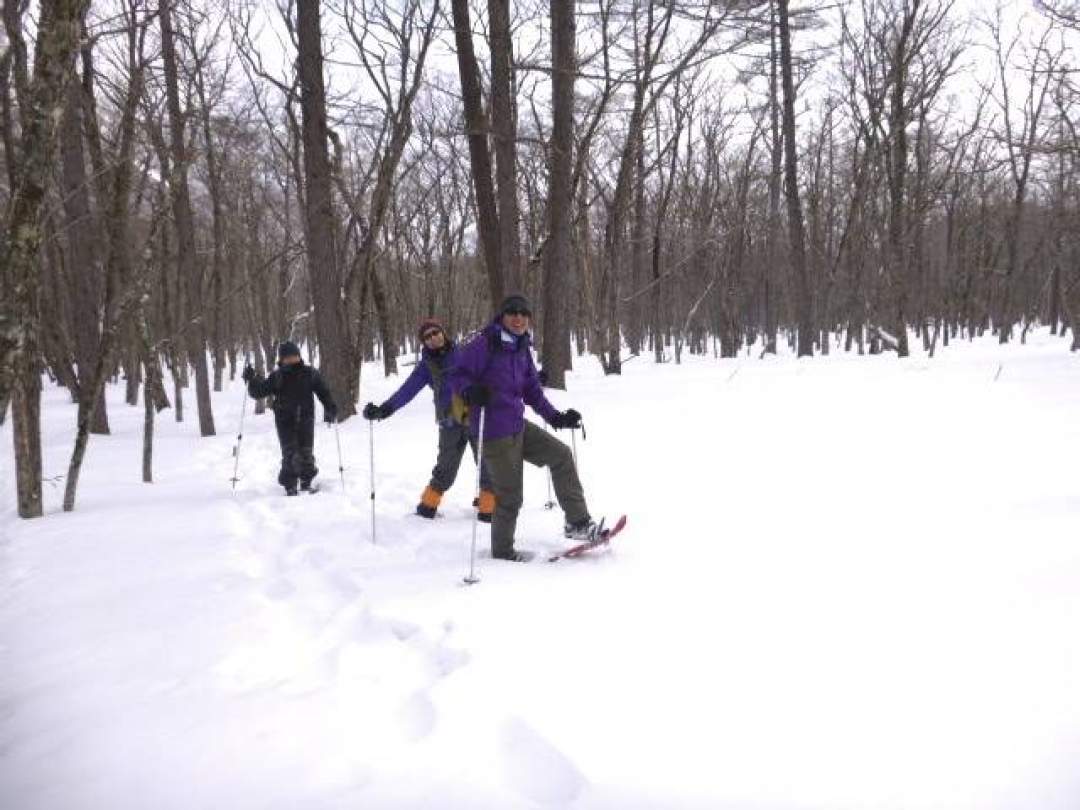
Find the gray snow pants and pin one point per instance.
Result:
(453, 440)
(505, 459)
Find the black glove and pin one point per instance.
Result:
(478, 395)
(248, 374)
(542, 376)
(373, 411)
(567, 419)
(329, 415)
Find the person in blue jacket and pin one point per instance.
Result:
(436, 357)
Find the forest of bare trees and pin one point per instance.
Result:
(188, 182)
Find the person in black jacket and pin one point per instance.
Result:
(292, 385)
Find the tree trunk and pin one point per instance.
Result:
(796, 235)
(558, 256)
(503, 129)
(898, 254)
(476, 127)
(154, 400)
(188, 266)
(382, 315)
(84, 286)
(20, 380)
(218, 307)
(323, 272)
(775, 177)
(148, 433)
(1055, 299)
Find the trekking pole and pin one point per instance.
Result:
(472, 579)
(340, 463)
(371, 453)
(548, 504)
(239, 438)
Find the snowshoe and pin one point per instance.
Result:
(600, 537)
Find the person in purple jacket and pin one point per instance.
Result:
(436, 356)
(495, 372)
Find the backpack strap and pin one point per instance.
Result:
(459, 409)
(438, 380)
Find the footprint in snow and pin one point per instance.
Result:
(447, 659)
(402, 630)
(416, 717)
(535, 768)
(343, 584)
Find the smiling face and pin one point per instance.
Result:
(516, 321)
(434, 338)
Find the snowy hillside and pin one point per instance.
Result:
(847, 583)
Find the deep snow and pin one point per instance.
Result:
(847, 583)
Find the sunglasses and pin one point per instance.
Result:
(431, 334)
(517, 311)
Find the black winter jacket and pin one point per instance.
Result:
(292, 387)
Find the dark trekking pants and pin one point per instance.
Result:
(505, 459)
(297, 438)
(452, 442)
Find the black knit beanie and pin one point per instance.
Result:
(515, 303)
(287, 349)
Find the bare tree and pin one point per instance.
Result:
(124, 290)
(477, 128)
(183, 220)
(393, 51)
(84, 267)
(1021, 134)
(560, 200)
(20, 380)
(796, 234)
(504, 140)
(320, 219)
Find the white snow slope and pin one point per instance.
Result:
(847, 583)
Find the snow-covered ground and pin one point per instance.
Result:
(848, 583)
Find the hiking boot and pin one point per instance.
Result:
(305, 486)
(485, 505)
(290, 490)
(425, 511)
(584, 531)
(515, 556)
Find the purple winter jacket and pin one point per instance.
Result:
(507, 369)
